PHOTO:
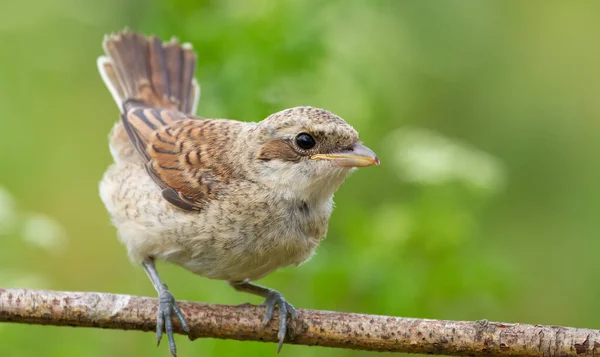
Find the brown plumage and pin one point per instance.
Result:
(156, 74)
(187, 158)
(224, 199)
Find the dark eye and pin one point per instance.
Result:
(305, 141)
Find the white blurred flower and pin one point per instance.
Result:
(423, 156)
(45, 232)
(16, 279)
(8, 214)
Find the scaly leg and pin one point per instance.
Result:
(166, 308)
(272, 298)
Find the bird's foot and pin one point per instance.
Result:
(164, 322)
(285, 308)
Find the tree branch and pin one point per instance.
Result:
(323, 328)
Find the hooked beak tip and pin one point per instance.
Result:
(359, 156)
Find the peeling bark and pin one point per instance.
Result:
(322, 328)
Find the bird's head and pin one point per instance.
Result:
(306, 153)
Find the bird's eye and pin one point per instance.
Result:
(305, 141)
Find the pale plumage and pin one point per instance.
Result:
(224, 199)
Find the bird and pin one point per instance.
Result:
(224, 199)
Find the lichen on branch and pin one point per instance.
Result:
(313, 327)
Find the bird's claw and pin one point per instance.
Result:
(275, 298)
(164, 322)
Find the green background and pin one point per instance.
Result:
(484, 116)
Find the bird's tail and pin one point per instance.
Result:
(142, 69)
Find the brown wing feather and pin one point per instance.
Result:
(185, 157)
(153, 83)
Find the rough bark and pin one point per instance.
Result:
(322, 328)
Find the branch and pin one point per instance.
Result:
(322, 328)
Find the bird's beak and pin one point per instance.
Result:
(359, 156)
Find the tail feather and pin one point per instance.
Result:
(109, 76)
(145, 70)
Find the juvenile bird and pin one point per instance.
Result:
(224, 199)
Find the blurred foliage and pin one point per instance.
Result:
(484, 115)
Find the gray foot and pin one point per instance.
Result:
(164, 322)
(285, 308)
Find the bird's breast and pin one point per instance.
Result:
(242, 235)
(255, 237)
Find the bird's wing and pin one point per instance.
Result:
(183, 155)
